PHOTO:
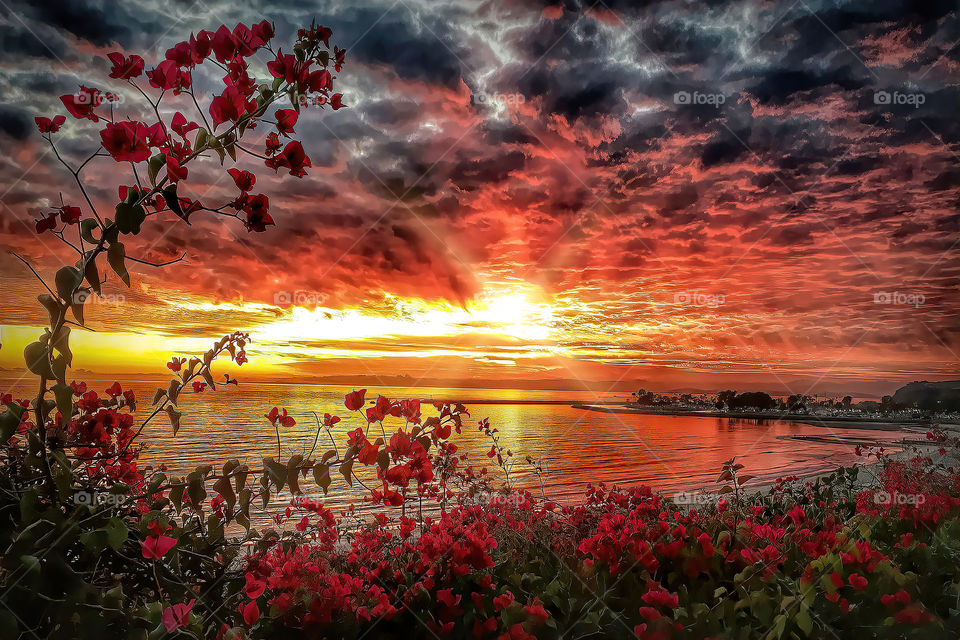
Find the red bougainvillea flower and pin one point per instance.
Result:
(329, 420)
(125, 68)
(293, 158)
(836, 579)
(251, 613)
(254, 587)
(339, 55)
(229, 105)
(858, 582)
(175, 364)
(286, 119)
(177, 616)
(168, 75)
(70, 215)
(243, 179)
(181, 126)
(354, 400)
(126, 141)
(256, 208)
(82, 103)
(47, 223)
(155, 547)
(175, 172)
(319, 80)
(336, 101)
(272, 143)
(46, 125)
(114, 390)
(280, 415)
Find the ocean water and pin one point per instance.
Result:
(578, 447)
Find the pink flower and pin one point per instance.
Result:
(155, 547)
(177, 616)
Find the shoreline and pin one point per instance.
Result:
(846, 422)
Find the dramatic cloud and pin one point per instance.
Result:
(747, 186)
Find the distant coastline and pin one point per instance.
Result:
(854, 422)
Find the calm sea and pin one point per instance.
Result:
(578, 447)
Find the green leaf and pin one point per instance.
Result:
(156, 163)
(116, 532)
(321, 473)
(130, 217)
(92, 273)
(64, 394)
(61, 342)
(9, 421)
(87, 225)
(224, 487)
(51, 305)
(116, 255)
(67, 279)
(37, 359)
(277, 472)
(804, 622)
(346, 469)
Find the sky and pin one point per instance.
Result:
(673, 195)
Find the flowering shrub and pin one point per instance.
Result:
(94, 546)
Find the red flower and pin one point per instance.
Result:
(254, 588)
(293, 158)
(125, 68)
(177, 616)
(836, 579)
(168, 75)
(115, 389)
(48, 223)
(244, 179)
(175, 172)
(336, 101)
(230, 105)
(319, 80)
(46, 125)
(503, 601)
(175, 364)
(257, 217)
(857, 581)
(329, 420)
(155, 547)
(251, 612)
(180, 125)
(338, 57)
(272, 143)
(82, 103)
(286, 119)
(223, 44)
(280, 415)
(354, 400)
(126, 141)
(537, 612)
(70, 215)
